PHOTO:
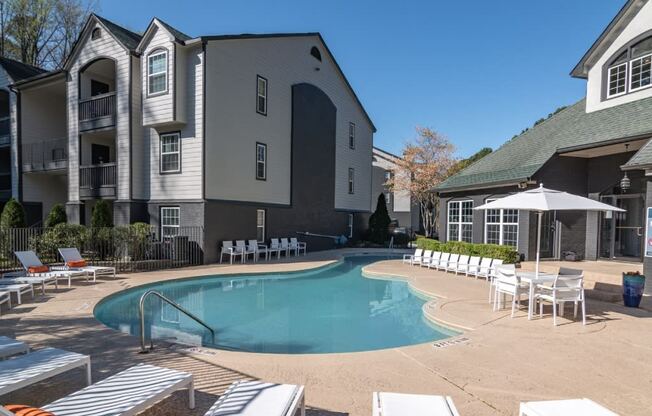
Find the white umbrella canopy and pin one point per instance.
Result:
(542, 199)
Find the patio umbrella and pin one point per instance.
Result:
(542, 199)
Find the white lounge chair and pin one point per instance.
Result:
(5, 297)
(18, 289)
(285, 245)
(229, 250)
(474, 265)
(507, 282)
(29, 259)
(443, 261)
(565, 288)
(300, 245)
(425, 258)
(258, 249)
(451, 264)
(12, 278)
(39, 365)
(434, 259)
(484, 269)
(241, 246)
(410, 258)
(126, 393)
(275, 244)
(257, 398)
(399, 404)
(462, 264)
(70, 255)
(573, 407)
(10, 347)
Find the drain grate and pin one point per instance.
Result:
(450, 342)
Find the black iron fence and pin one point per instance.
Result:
(133, 248)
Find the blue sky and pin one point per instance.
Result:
(476, 71)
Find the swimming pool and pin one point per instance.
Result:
(326, 310)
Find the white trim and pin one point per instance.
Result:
(351, 135)
(631, 67)
(155, 53)
(164, 226)
(177, 152)
(350, 225)
(501, 223)
(261, 226)
(259, 95)
(459, 221)
(351, 181)
(609, 95)
(262, 161)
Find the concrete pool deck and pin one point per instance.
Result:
(497, 362)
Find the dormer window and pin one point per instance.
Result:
(618, 76)
(641, 65)
(157, 72)
(631, 70)
(96, 33)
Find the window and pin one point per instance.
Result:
(260, 225)
(96, 33)
(617, 80)
(388, 198)
(388, 175)
(261, 161)
(157, 73)
(640, 70)
(261, 96)
(350, 226)
(351, 136)
(460, 221)
(501, 226)
(351, 180)
(314, 51)
(169, 221)
(170, 153)
(631, 69)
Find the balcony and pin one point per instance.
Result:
(97, 112)
(97, 181)
(45, 155)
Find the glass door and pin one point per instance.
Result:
(621, 233)
(548, 235)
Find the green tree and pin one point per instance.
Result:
(379, 222)
(56, 216)
(101, 216)
(464, 163)
(13, 215)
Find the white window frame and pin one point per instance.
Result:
(459, 221)
(609, 95)
(150, 75)
(263, 95)
(261, 226)
(262, 161)
(631, 69)
(501, 225)
(177, 152)
(173, 226)
(388, 198)
(350, 225)
(352, 135)
(351, 181)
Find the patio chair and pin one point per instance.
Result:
(564, 407)
(484, 269)
(33, 267)
(12, 278)
(300, 245)
(18, 289)
(451, 265)
(565, 288)
(474, 265)
(73, 260)
(241, 246)
(229, 250)
(389, 404)
(285, 244)
(410, 258)
(10, 347)
(254, 398)
(443, 261)
(258, 249)
(126, 393)
(275, 245)
(507, 282)
(436, 255)
(462, 264)
(425, 258)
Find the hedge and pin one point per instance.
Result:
(494, 251)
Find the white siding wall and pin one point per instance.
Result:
(106, 46)
(186, 185)
(641, 23)
(159, 108)
(43, 114)
(48, 189)
(233, 126)
(140, 145)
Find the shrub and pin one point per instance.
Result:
(13, 215)
(506, 253)
(131, 240)
(101, 216)
(60, 236)
(379, 222)
(56, 216)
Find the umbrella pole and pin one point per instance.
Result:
(539, 215)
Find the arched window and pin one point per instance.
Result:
(631, 69)
(96, 33)
(157, 72)
(315, 53)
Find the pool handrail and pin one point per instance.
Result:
(175, 305)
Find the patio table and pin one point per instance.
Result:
(533, 280)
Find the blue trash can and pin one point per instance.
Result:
(633, 285)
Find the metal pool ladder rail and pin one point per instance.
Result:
(175, 305)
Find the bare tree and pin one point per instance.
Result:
(426, 162)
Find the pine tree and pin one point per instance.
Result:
(13, 215)
(101, 216)
(379, 222)
(56, 216)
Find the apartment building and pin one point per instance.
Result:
(248, 136)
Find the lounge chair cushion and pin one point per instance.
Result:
(247, 398)
(24, 410)
(397, 404)
(38, 269)
(76, 263)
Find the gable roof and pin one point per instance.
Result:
(179, 36)
(608, 35)
(126, 37)
(520, 158)
(18, 70)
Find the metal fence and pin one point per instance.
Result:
(131, 248)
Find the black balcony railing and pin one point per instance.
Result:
(97, 180)
(45, 155)
(97, 112)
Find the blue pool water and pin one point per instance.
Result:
(332, 309)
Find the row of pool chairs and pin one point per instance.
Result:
(477, 266)
(253, 248)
